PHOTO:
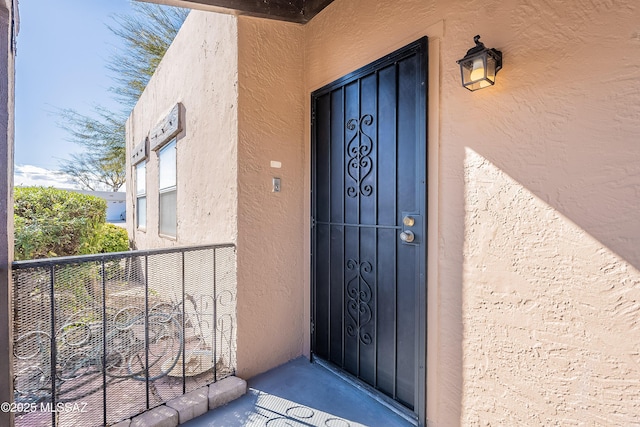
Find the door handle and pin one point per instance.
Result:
(407, 236)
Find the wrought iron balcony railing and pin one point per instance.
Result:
(102, 338)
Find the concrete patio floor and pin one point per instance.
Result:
(301, 394)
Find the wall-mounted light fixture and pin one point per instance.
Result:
(480, 66)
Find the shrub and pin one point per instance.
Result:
(51, 222)
(113, 238)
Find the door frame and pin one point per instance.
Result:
(419, 47)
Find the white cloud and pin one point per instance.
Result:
(29, 175)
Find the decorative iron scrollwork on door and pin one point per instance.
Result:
(359, 163)
(360, 296)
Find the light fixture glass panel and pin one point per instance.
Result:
(491, 69)
(466, 68)
(478, 69)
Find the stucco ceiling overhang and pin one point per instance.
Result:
(300, 11)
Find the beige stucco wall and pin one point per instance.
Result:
(200, 71)
(534, 311)
(271, 255)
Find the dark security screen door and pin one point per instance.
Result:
(369, 228)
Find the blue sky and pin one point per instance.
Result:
(63, 48)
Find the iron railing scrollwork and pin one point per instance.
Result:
(120, 333)
(359, 162)
(360, 296)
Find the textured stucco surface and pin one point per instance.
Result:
(551, 314)
(271, 255)
(537, 285)
(200, 71)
